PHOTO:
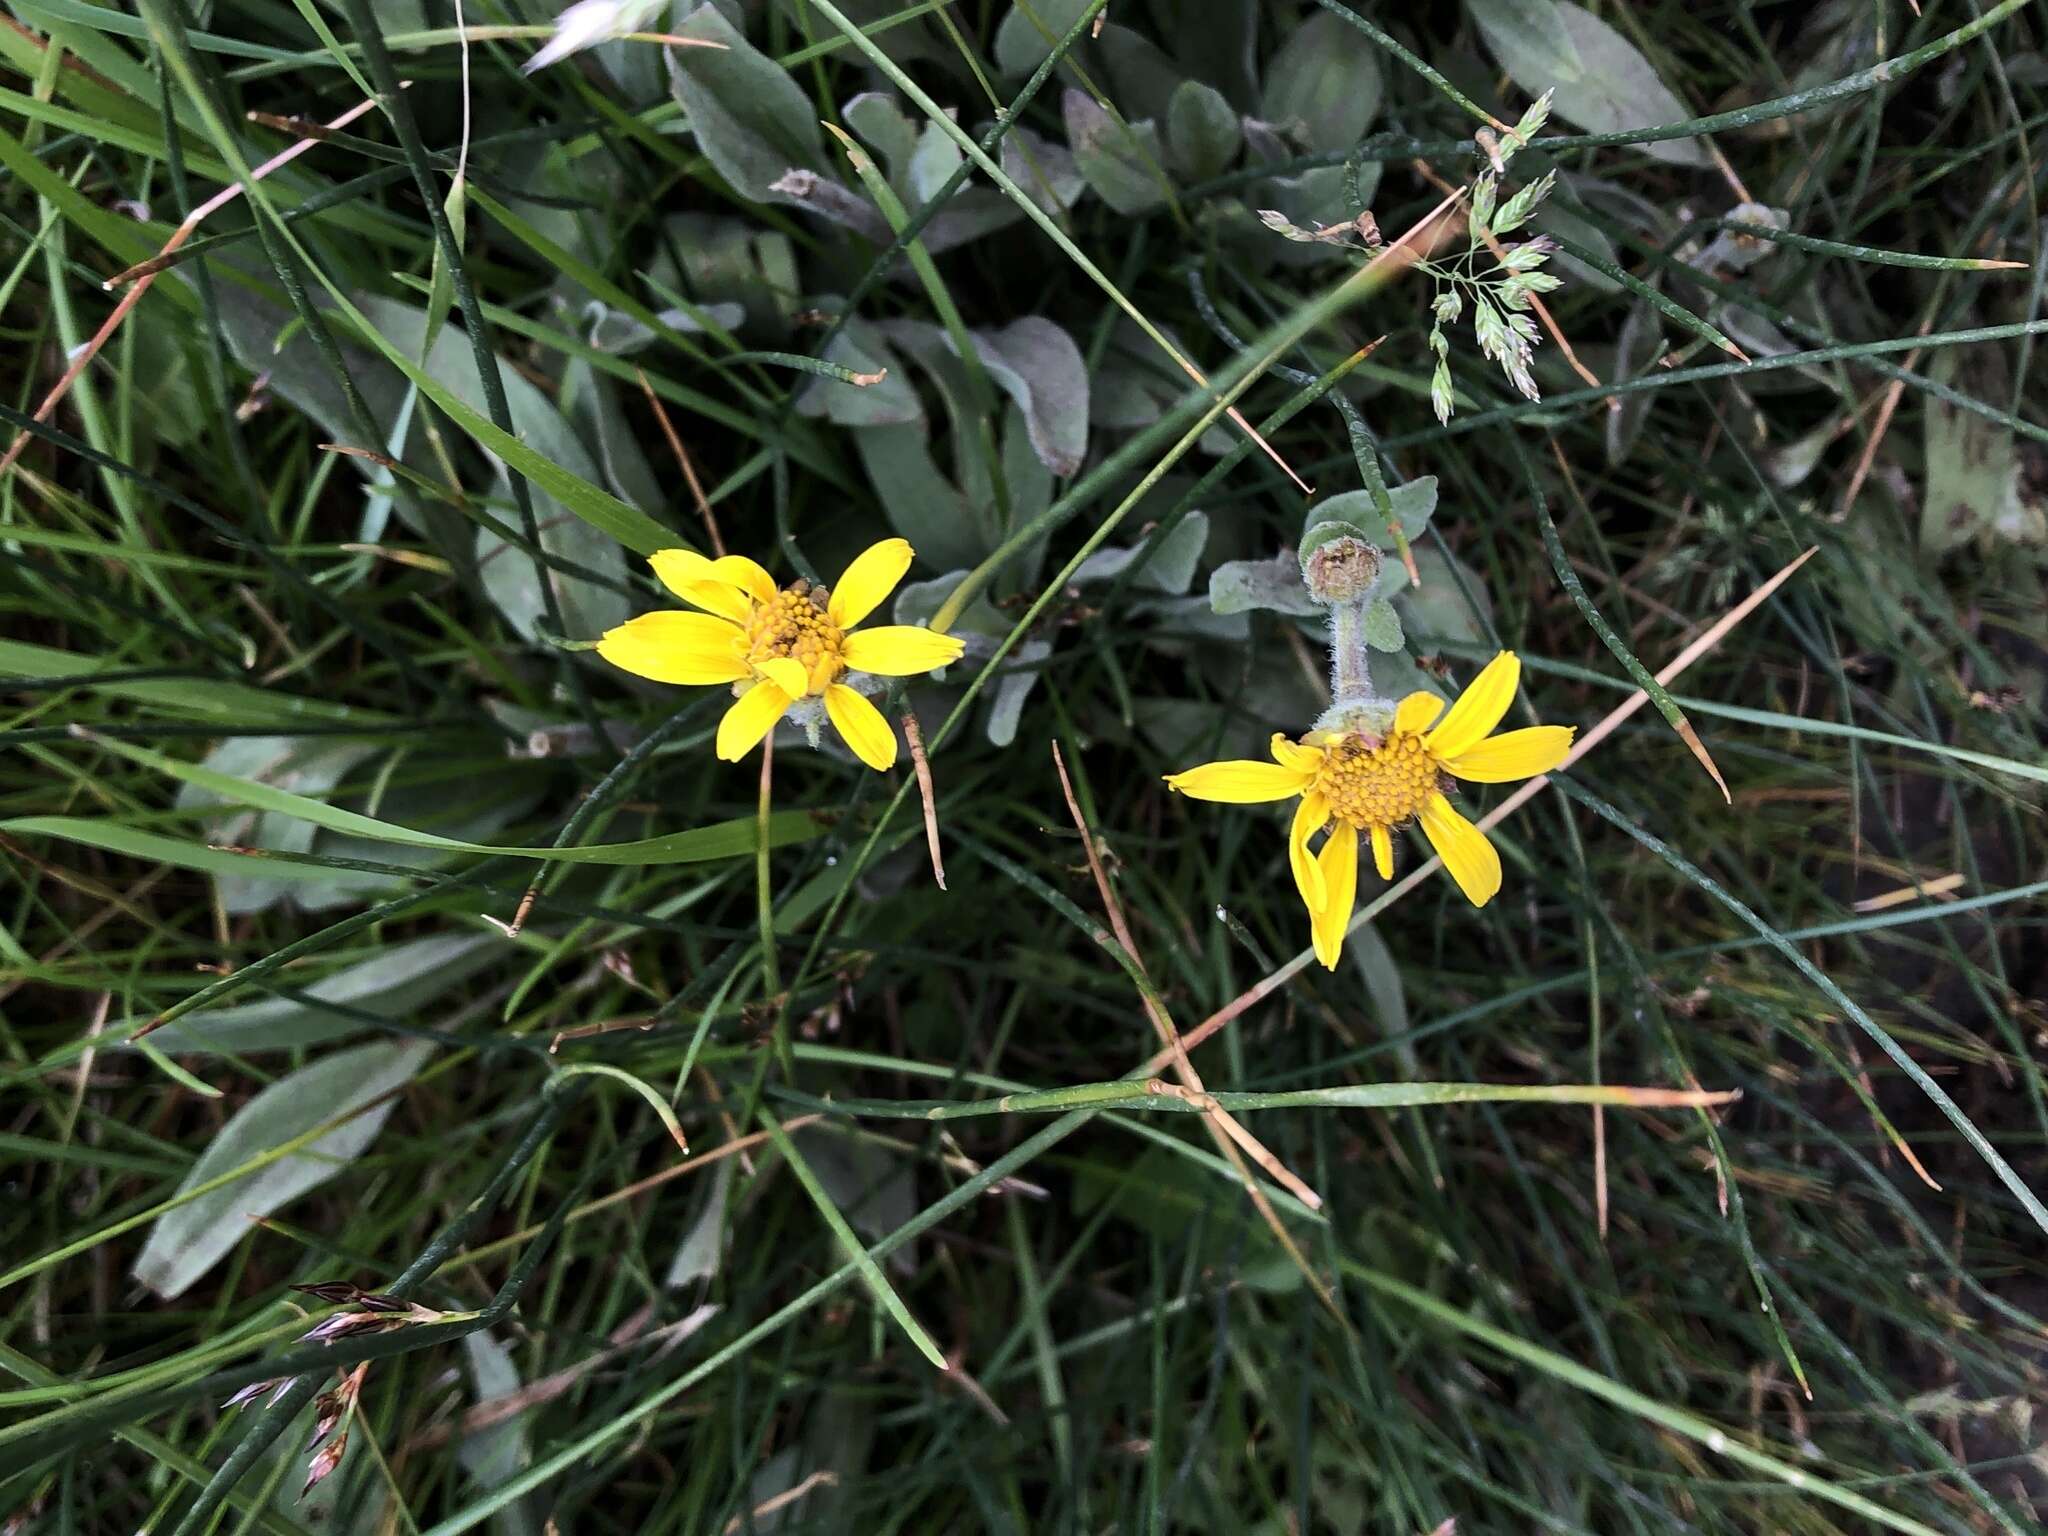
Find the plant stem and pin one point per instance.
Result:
(1350, 673)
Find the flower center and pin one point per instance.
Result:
(1373, 783)
(795, 625)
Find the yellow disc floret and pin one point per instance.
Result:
(1377, 784)
(795, 625)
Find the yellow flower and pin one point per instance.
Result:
(1355, 781)
(778, 645)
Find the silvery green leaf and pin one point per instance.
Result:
(594, 409)
(1171, 567)
(883, 126)
(917, 601)
(1013, 686)
(1615, 87)
(1375, 965)
(1043, 168)
(1181, 732)
(726, 260)
(1030, 484)
(1142, 78)
(475, 806)
(1531, 33)
(497, 1452)
(937, 157)
(751, 120)
(393, 983)
(1038, 365)
(263, 338)
(1789, 464)
(830, 200)
(1122, 397)
(1325, 77)
(1237, 586)
(1761, 337)
(1267, 143)
(973, 214)
(187, 1240)
(1414, 504)
(1222, 49)
(1188, 618)
(703, 1247)
(1383, 627)
(872, 1185)
(1022, 41)
(1634, 351)
(920, 503)
(305, 766)
(1202, 132)
(890, 401)
(588, 608)
(1440, 608)
(1122, 162)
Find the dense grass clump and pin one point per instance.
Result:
(459, 1068)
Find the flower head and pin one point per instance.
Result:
(1360, 780)
(780, 647)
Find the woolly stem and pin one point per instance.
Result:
(1350, 673)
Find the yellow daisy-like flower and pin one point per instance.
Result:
(1354, 781)
(779, 645)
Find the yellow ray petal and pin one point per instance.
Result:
(752, 716)
(863, 726)
(900, 650)
(787, 673)
(1463, 848)
(671, 647)
(1339, 861)
(1416, 712)
(1240, 782)
(863, 584)
(1383, 853)
(690, 576)
(1513, 755)
(1290, 754)
(739, 571)
(679, 568)
(1313, 811)
(1479, 707)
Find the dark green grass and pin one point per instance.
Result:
(184, 567)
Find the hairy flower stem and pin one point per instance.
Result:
(1350, 676)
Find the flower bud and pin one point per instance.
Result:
(1341, 570)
